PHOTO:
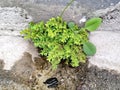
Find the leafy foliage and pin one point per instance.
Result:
(93, 24)
(89, 48)
(60, 40)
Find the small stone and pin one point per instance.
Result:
(62, 80)
(39, 75)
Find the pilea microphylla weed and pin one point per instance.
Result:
(63, 41)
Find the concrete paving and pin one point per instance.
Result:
(15, 64)
(107, 55)
(107, 40)
(44, 9)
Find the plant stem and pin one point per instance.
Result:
(66, 7)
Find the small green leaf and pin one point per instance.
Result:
(71, 24)
(93, 24)
(89, 49)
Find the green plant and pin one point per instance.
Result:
(62, 41)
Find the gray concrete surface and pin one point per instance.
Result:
(93, 4)
(101, 79)
(44, 9)
(107, 55)
(111, 18)
(16, 66)
(13, 20)
(104, 67)
(13, 47)
(107, 40)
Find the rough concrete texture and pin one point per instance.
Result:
(104, 66)
(12, 20)
(16, 54)
(111, 18)
(13, 48)
(107, 44)
(107, 41)
(45, 9)
(93, 4)
(100, 79)
(10, 82)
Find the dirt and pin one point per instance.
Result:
(24, 67)
(79, 78)
(1, 64)
(18, 77)
(29, 75)
(69, 78)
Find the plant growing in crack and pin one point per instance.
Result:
(63, 41)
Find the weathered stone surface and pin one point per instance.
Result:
(10, 82)
(107, 55)
(45, 9)
(101, 79)
(13, 48)
(111, 18)
(16, 54)
(107, 41)
(13, 20)
(104, 67)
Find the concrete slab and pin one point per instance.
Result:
(13, 20)
(107, 40)
(108, 50)
(111, 18)
(13, 48)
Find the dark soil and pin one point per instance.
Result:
(69, 78)
(79, 78)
